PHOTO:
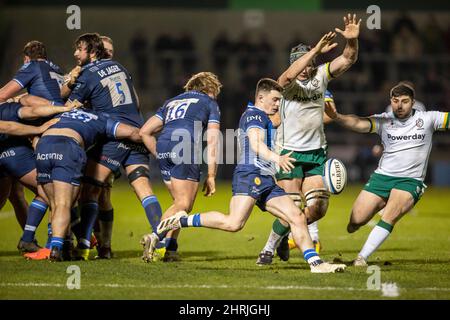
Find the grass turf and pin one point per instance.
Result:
(220, 265)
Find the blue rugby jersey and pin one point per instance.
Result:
(90, 125)
(254, 117)
(41, 78)
(108, 87)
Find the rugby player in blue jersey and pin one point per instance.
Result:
(61, 159)
(104, 222)
(107, 87)
(17, 160)
(41, 78)
(182, 121)
(254, 181)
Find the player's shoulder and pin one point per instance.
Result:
(28, 65)
(53, 66)
(252, 113)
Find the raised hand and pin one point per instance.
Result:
(351, 30)
(324, 45)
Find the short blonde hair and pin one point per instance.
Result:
(205, 82)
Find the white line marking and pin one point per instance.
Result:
(188, 286)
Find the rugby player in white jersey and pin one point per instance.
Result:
(397, 183)
(301, 131)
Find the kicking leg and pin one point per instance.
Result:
(399, 203)
(284, 208)
(365, 207)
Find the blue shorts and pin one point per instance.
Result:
(171, 164)
(59, 158)
(114, 154)
(262, 188)
(16, 161)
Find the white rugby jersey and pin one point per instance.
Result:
(407, 143)
(301, 113)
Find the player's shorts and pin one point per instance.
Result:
(381, 185)
(16, 161)
(59, 158)
(307, 164)
(114, 154)
(262, 188)
(171, 164)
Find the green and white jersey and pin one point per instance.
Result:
(301, 113)
(407, 143)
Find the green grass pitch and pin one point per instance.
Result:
(220, 265)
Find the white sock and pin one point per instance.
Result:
(273, 242)
(313, 229)
(375, 239)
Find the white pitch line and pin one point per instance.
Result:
(188, 286)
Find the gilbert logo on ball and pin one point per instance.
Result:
(335, 176)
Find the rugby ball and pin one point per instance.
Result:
(334, 176)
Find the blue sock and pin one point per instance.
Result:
(36, 211)
(171, 244)
(191, 221)
(152, 210)
(49, 236)
(57, 242)
(88, 213)
(312, 257)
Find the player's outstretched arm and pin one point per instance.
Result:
(9, 90)
(324, 45)
(35, 112)
(148, 132)
(18, 129)
(212, 139)
(125, 131)
(256, 139)
(350, 121)
(350, 54)
(29, 100)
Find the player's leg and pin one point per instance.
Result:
(316, 205)
(36, 212)
(19, 203)
(399, 203)
(64, 196)
(104, 223)
(93, 183)
(283, 207)
(278, 237)
(138, 177)
(366, 205)
(183, 193)
(240, 209)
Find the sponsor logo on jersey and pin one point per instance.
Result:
(49, 156)
(257, 181)
(7, 154)
(256, 117)
(407, 137)
(300, 98)
(419, 123)
(315, 82)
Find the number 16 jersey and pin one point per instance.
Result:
(188, 113)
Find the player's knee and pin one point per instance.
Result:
(91, 189)
(183, 205)
(317, 203)
(235, 225)
(139, 172)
